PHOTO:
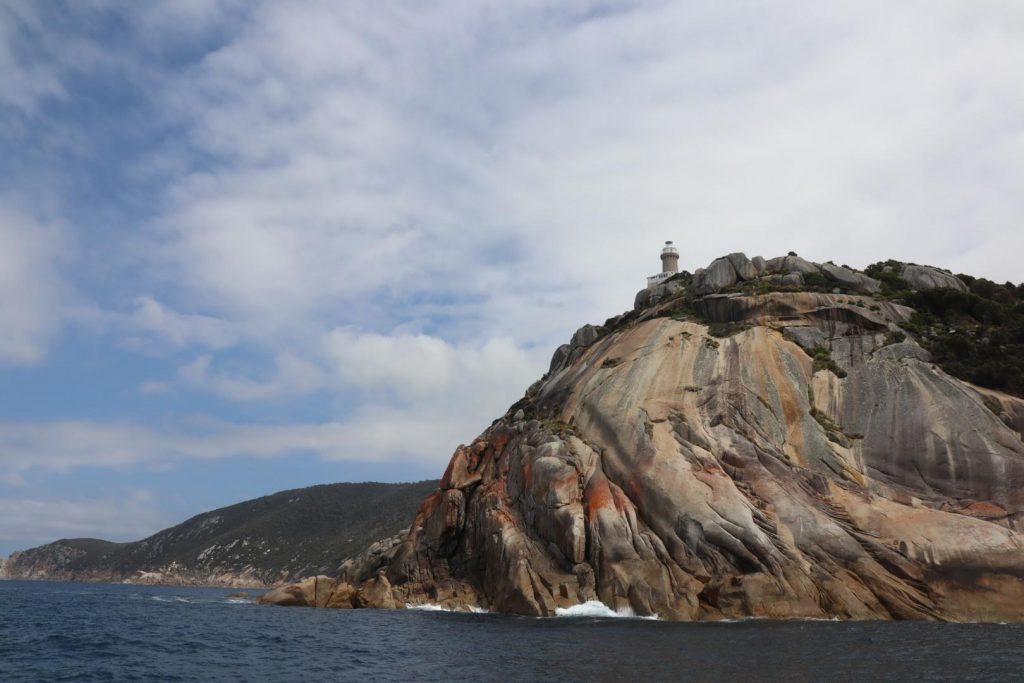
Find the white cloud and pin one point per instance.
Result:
(61, 446)
(26, 522)
(417, 397)
(416, 366)
(408, 208)
(31, 286)
(422, 395)
(179, 330)
(292, 376)
(521, 164)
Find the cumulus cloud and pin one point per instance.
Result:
(292, 376)
(420, 366)
(408, 208)
(179, 330)
(541, 155)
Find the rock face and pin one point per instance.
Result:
(311, 592)
(811, 462)
(925, 277)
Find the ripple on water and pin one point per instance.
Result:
(52, 632)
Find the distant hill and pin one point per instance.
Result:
(260, 542)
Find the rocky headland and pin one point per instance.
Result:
(761, 438)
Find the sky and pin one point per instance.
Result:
(248, 246)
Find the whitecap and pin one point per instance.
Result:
(431, 607)
(428, 607)
(596, 608)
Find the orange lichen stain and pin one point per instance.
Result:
(983, 509)
(499, 440)
(528, 473)
(428, 505)
(792, 412)
(598, 495)
(460, 454)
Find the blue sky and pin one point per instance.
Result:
(246, 246)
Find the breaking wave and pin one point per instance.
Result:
(596, 608)
(431, 607)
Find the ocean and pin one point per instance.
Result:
(102, 632)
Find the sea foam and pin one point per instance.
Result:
(431, 607)
(596, 608)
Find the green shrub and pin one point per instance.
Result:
(816, 280)
(977, 336)
(823, 361)
(892, 284)
(895, 337)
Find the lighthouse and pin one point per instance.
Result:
(669, 264)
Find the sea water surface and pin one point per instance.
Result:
(103, 632)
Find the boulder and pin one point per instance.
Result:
(376, 593)
(793, 279)
(585, 336)
(343, 596)
(652, 296)
(858, 282)
(719, 275)
(559, 357)
(795, 264)
(924, 278)
(312, 592)
(745, 269)
(760, 265)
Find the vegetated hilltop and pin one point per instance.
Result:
(256, 543)
(771, 438)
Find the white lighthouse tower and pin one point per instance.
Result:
(669, 265)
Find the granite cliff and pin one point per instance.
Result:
(256, 543)
(760, 438)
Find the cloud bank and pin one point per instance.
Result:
(358, 229)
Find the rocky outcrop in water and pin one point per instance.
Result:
(726, 450)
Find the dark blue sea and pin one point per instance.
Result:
(101, 632)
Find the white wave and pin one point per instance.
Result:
(428, 607)
(238, 601)
(431, 607)
(596, 608)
